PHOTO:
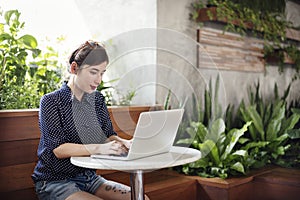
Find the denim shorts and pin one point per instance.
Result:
(87, 181)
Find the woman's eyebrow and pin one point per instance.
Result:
(95, 69)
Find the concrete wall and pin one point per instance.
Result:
(173, 15)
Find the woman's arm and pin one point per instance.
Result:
(68, 150)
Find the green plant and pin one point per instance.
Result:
(291, 158)
(259, 18)
(269, 133)
(220, 159)
(207, 132)
(265, 137)
(204, 112)
(167, 100)
(107, 90)
(15, 71)
(26, 73)
(124, 98)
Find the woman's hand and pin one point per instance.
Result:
(126, 144)
(112, 147)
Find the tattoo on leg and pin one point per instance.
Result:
(117, 187)
(108, 187)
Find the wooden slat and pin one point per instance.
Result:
(293, 34)
(18, 152)
(229, 51)
(19, 127)
(16, 177)
(219, 38)
(18, 113)
(26, 194)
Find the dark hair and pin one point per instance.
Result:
(89, 53)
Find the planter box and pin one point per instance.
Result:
(277, 184)
(267, 183)
(203, 16)
(227, 189)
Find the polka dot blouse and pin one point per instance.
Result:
(64, 119)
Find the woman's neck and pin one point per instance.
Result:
(75, 90)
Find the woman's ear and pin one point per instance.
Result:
(73, 68)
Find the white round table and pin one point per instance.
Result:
(177, 156)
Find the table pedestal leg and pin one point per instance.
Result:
(137, 185)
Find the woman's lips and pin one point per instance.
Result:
(93, 87)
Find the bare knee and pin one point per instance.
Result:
(83, 195)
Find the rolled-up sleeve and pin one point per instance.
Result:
(52, 134)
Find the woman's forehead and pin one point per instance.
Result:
(100, 67)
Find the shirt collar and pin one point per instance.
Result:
(89, 98)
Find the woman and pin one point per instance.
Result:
(74, 121)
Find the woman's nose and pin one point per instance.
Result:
(98, 79)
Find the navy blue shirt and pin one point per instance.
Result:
(64, 119)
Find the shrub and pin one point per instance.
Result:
(26, 73)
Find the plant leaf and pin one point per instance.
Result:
(202, 132)
(234, 136)
(275, 123)
(217, 128)
(294, 133)
(255, 144)
(201, 163)
(289, 123)
(257, 121)
(29, 41)
(4, 36)
(238, 167)
(210, 148)
(240, 153)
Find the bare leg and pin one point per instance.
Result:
(83, 195)
(111, 190)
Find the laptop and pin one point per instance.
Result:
(154, 134)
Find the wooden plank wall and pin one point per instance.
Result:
(229, 51)
(19, 138)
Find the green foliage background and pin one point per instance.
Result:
(232, 144)
(26, 72)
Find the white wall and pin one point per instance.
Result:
(125, 26)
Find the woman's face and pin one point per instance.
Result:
(88, 78)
